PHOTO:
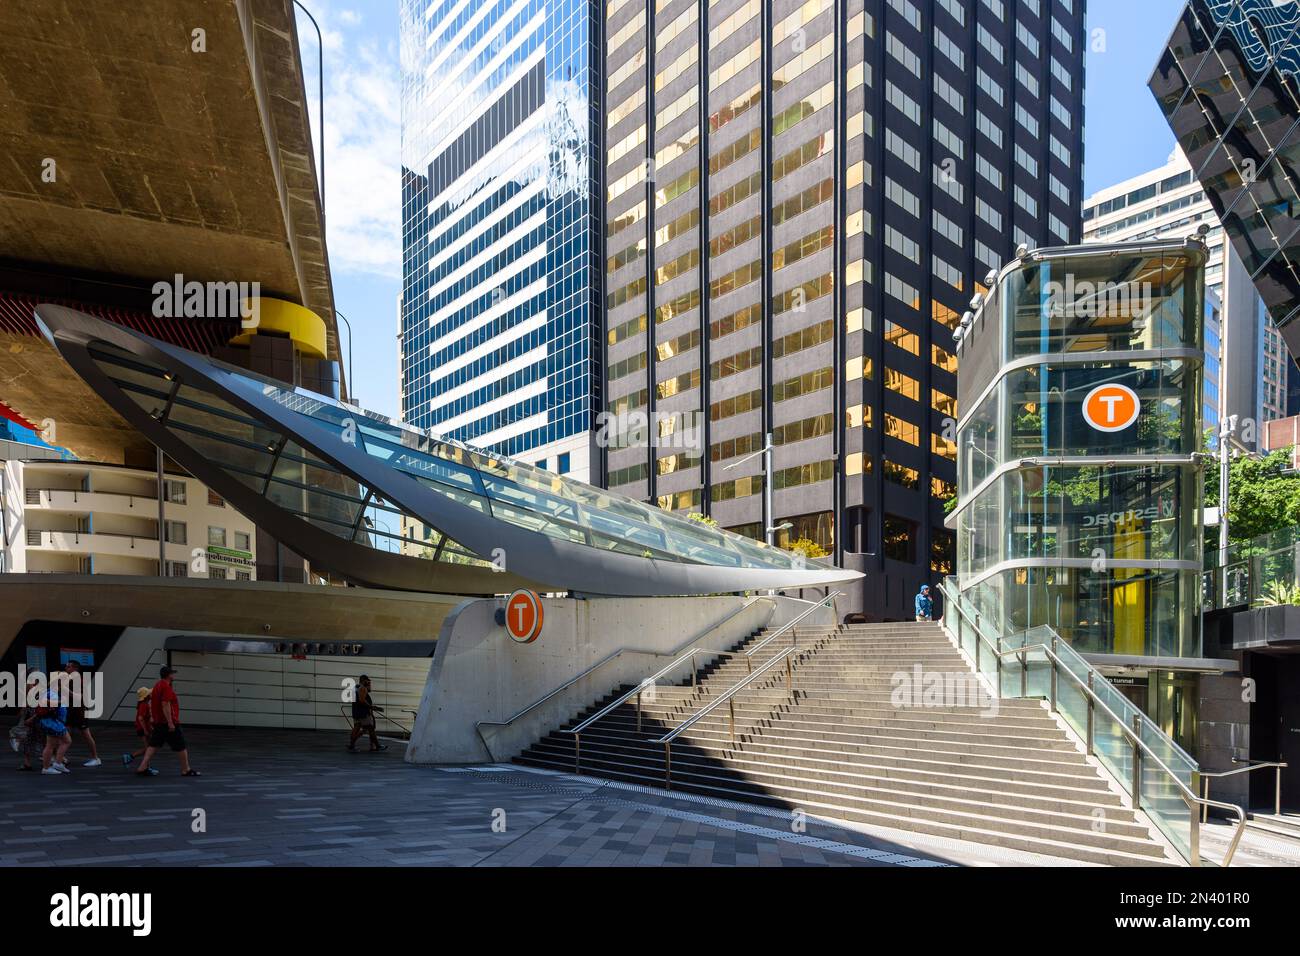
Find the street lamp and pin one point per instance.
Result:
(351, 380)
(766, 452)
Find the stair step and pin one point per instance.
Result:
(996, 771)
(1007, 833)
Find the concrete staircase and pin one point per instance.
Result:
(839, 747)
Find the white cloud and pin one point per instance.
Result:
(362, 142)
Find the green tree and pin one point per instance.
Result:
(1263, 494)
(808, 548)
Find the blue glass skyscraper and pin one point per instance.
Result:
(500, 275)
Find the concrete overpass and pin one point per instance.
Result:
(131, 149)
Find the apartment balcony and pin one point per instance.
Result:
(102, 543)
(87, 502)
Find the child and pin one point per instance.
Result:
(143, 724)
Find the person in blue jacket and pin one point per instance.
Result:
(924, 606)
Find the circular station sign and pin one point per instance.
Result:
(1111, 407)
(524, 616)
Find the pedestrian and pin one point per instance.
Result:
(924, 606)
(27, 733)
(78, 722)
(51, 718)
(143, 725)
(165, 712)
(363, 716)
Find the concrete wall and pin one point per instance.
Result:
(257, 690)
(1224, 732)
(479, 673)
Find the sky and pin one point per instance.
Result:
(1125, 134)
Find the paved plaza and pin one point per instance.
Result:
(274, 798)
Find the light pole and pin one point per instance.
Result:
(766, 451)
(351, 380)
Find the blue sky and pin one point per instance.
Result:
(1124, 135)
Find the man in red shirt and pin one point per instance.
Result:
(165, 709)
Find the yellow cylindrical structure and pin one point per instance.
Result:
(302, 325)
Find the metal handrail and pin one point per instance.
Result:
(731, 692)
(1250, 765)
(729, 698)
(827, 601)
(605, 660)
(1140, 746)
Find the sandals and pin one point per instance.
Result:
(148, 772)
(375, 750)
(191, 773)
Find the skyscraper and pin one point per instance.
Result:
(500, 277)
(1228, 82)
(802, 198)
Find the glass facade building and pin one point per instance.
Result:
(500, 283)
(1065, 517)
(801, 197)
(1228, 82)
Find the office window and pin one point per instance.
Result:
(175, 532)
(898, 539)
(174, 491)
(217, 574)
(178, 569)
(216, 537)
(903, 430)
(904, 385)
(215, 499)
(242, 542)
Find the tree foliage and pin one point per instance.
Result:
(1263, 494)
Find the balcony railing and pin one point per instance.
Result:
(76, 496)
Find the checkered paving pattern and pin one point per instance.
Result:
(298, 798)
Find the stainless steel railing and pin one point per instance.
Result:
(690, 656)
(478, 725)
(729, 698)
(1251, 765)
(1142, 753)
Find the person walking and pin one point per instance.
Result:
(363, 716)
(924, 606)
(78, 721)
(143, 725)
(165, 712)
(51, 718)
(31, 739)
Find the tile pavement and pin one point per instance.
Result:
(275, 798)
(298, 798)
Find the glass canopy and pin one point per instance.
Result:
(372, 482)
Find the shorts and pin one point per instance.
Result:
(173, 738)
(366, 721)
(77, 720)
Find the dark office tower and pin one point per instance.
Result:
(1228, 82)
(500, 225)
(802, 200)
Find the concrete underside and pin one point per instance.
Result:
(166, 161)
(289, 611)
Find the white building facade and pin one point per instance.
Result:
(73, 517)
